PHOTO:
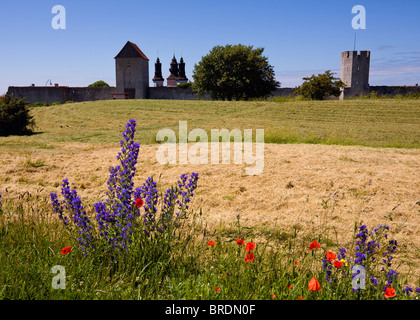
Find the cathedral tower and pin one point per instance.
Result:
(158, 79)
(173, 77)
(181, 76)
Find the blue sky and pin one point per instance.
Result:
(300, 38)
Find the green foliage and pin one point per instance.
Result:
(185, 85)
(321, 86)
(40, 104)
(413, 95)
(14, 116)
(99, 84)
(234, 72)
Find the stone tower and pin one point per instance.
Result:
(132, 72)
(158, 79)
(355, 73)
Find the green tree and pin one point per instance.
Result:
(14, 116)
(321, 86)
(234, 72)
(99, 84)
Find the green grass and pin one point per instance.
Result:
(365, 122)
(184, 267)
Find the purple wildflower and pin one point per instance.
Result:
(407, 290)
(118, 214)
(73, 203)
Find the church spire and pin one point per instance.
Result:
(174, 67)
(158, 79)
(182, 69)
(172, 79)
(181, 75)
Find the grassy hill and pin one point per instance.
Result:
(306, 192)
(375, 123)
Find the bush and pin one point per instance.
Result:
(413, 95)
(40, 104)
(14, 116)
(185, 85)
(320, 87)
(99, 84)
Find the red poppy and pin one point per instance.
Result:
(330, 256)
(291, 286)
(273, 296)
(390, 292)
(338, 264)
(239, 241)
(296, 263)
(300, 298)
(314, 285)
(250, 246)
(139, 203)
(211, 243)
(216, 288)
(249, 257)
(314, 245)
(65, 250)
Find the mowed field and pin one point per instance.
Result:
(327, 165)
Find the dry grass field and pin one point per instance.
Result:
(311, 188)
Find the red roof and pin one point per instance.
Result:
(138, 50)
(131, 50)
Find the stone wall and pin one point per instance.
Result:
(383, 90)
(174, 93)
(61, 94)
(394, 90)
(80, 94)
(283, 92)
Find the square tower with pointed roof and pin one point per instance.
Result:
(132, 72)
